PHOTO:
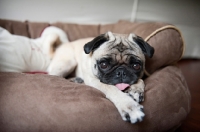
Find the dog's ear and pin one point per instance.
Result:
(96, 42)
(146, 48)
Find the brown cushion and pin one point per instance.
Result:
(74, 31)
(15, 27)
(165, 38)
(35, 28)
(78, 31)
(48, 103)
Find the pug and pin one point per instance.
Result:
(112, 63)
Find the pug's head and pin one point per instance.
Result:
(118, 59)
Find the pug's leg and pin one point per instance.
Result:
(63, 62)
(129, 109)
(136, 91)
(77, 80)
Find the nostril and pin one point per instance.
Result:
(118, 74)
(124, 74)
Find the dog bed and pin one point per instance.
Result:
(37, 102)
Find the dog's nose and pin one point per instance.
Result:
(120, 72)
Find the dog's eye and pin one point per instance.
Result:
(104, 65)
(136, 66)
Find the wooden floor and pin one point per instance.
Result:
(191, 71)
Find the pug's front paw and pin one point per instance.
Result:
(131, 111)
(138, 96)
(136, 91)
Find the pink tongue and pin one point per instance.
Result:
(122, 86)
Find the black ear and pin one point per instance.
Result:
(146, 48)
(95, 43)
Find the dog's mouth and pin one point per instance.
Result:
(122, 86)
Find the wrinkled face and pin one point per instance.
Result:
(118, 59)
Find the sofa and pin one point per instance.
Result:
(40, 102)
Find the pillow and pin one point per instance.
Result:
(21, 54)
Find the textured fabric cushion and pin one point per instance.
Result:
(165, 38)
(78, 31)
(49, 103)
(35, 28)
(15, 27)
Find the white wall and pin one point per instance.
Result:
(79, 11)
(185, 14)
(182, 13)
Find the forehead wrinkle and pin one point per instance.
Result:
(114, 56)
(125, 58)
(109, 55)
(120, 47)
(129, 44)
(119, 56)
(115, 42)
(121, 43)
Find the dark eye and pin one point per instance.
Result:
(104, 65)
(136, 66)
